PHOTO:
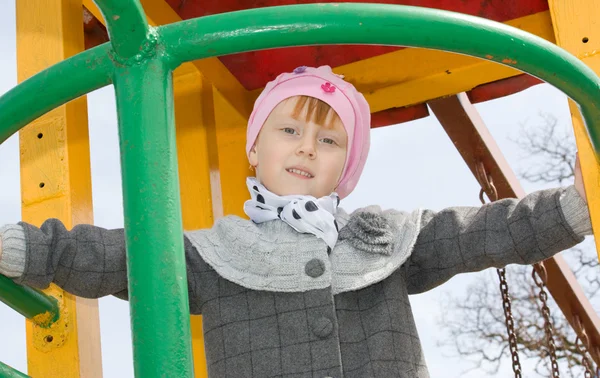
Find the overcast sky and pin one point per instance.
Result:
(411, 165)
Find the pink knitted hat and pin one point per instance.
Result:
(348, 103)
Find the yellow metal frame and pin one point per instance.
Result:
(196, 154)
(576, 28)
(55, 157)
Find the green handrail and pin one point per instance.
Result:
(32, 304)
(8, 372)
(139, 63)
(53, 87)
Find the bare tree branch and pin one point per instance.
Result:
(553, 152)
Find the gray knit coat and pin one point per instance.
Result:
(278, 303)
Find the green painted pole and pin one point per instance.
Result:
(385, 24)
(8, 372)
(126, 24)
(158, 290)
(32, 304)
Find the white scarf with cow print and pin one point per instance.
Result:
(305, 214)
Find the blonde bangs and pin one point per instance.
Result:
(314, 110)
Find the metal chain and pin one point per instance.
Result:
(548, 328)
(584, 358)
(582, 342)
(597, 353)
(488, 187)
(510, 324)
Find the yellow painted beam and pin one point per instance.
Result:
(438, 75)
(196, 147)
(158, 13)
(233, 164)
(56, 182)
(196, 150)
(577, 28)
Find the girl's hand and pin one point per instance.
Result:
(579, 179)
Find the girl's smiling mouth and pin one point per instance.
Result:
(300, 172)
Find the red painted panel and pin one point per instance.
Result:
(398, 115)
(255, 69)
(502, 88)
(94, 32)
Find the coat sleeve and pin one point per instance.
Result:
(87, 261)
(469, 239)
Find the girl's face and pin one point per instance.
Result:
(292, 156)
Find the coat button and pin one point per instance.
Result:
(322, 327)
(314, 268)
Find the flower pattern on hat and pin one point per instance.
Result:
(300, 69)
(327, 87)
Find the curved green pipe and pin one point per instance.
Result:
(382, 24)
(32, 304)
(126, 24)
(8, 372)
(64, 81)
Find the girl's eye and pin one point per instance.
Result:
(289, 130)
(328, 141)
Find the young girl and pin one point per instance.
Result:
(304, 289)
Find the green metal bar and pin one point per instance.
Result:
(381, 24)
(32, 304)
(8, 372)
(153, 225)
(53, 87)
(126, 24)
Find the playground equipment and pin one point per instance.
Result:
(211, 101)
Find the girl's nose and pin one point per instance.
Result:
(307, 147)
